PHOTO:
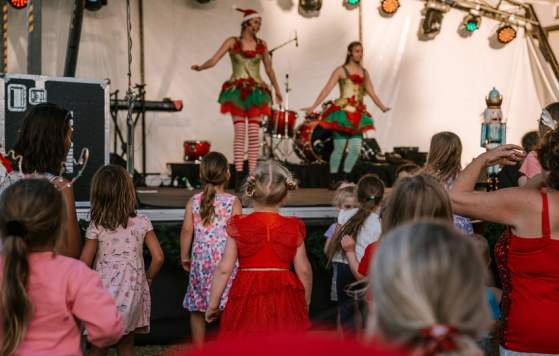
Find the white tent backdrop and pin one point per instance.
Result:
(431, 86)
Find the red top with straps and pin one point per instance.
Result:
(529, 271)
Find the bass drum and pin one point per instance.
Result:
(313, 143)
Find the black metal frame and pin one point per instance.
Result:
(74, 37)
(34, 31)
(139, 115)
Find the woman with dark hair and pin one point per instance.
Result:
(245, 95)
(43, 142)
(347, 116)
(528, 253)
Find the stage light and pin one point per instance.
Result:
(351, 4)
(94, 5)
(18, 4)
(472, 22)
(506, 33)
(310, 7)
(389, 7)
(432, 23)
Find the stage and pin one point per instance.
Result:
(166, 204)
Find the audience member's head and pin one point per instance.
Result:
(530, 141)
(113, 197)
(406, 170)
(445, 153)
(428, 290)
(214, 172)
(344, 197)
(31, 215)
(269, 184)
(44, 139)
(416, 197)
(548, 155)
(549, 119)
(370, 191)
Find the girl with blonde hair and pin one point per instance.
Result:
(428, 291)
(266, 297)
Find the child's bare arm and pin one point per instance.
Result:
(89, 251)
(303, 271)
(186, 236)
(221, 277)
(348, 245)
(237, 207)
(157, 256)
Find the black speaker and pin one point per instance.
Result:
(87, 100)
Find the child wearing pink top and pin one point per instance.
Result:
(114, 246)
(49, 297)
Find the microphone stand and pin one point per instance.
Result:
(271, 52)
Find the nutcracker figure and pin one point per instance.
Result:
(493, 129)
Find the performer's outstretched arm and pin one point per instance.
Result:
(225, 47)
(326, 90)
(267, 60)
(371, 92)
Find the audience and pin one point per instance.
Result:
(430, 291)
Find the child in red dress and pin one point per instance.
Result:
(266, 296)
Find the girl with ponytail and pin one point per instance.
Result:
(42, 294)
(206, 216)
(363, 226)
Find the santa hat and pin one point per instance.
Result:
(248, 13)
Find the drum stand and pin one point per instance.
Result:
(272, 142)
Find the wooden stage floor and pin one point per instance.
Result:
(167, 197)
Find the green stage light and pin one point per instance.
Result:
(353, 2)
(472, 23)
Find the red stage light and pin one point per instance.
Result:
(18, 4)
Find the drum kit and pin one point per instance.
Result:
(282, 136)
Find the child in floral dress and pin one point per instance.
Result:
(206, 217)
(114, 245)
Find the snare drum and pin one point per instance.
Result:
(195, 150)
(282, 123)
(313, 143)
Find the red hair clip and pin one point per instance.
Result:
(439, 338)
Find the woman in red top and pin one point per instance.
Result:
(265, 296)
(528, 253)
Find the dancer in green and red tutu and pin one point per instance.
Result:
(245, 95)
(347, 116)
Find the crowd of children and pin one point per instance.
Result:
(409, 275)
